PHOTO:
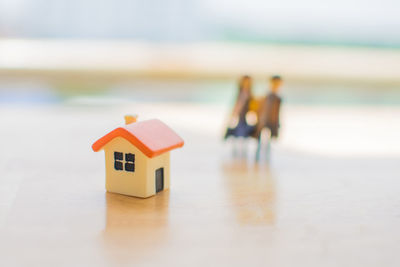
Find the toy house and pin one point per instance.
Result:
(138, 157)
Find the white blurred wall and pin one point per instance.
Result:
(354, 22)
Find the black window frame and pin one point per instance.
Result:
(124, 161)
(118, 161)
(129, 162)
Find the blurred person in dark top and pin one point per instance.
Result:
(268, 114)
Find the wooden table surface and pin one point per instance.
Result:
(329, 195)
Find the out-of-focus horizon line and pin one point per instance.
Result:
(127, 58)
(234, 40)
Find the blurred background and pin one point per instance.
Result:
(339, 58)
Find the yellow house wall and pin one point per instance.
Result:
(162, 161)
(123, 182)
(141, 182)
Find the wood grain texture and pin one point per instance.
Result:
(333, 207)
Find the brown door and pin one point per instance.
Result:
(159, 179)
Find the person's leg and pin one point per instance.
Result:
(268, 154)
(243, 147)
(264, 137)
(258, 148)
(268, 138)
(234, 146)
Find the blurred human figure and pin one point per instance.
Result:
(268, 116)
(238, 124)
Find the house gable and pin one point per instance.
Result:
(123, 181)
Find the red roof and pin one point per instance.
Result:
(152, 137)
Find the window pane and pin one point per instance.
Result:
(130, 157)
(118, 156)
(118, 165)
(129, 167)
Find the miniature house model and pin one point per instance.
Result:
(137, 157)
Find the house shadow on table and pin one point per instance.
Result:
(135, 227)
(251, 189)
